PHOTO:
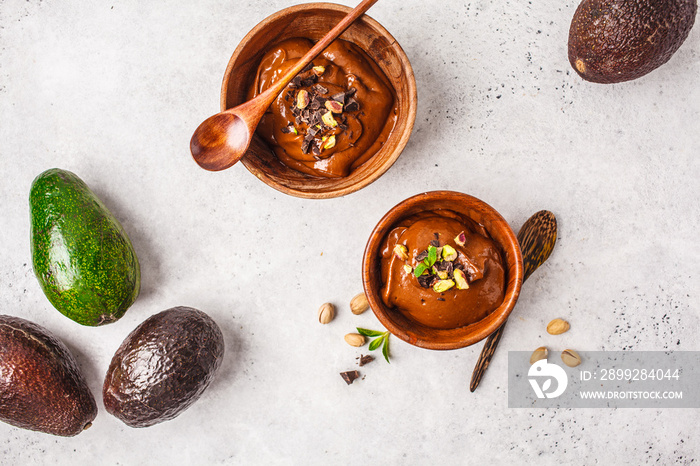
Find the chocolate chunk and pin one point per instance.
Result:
(425, 281)
(320, 89)
(339, 97)
(350, 92)
(295, 82)
(289, 96)
(436, 235)
(446, 267)
(342, 126)
(307, 82)
(422, 255)
(287, 129)
(366, 359)
(297, 120)
(316, 147)
(349, 376)
(441, 299)
(352, 105)
(435, 243)
(307, 67)
(305, 146)
(313, 131)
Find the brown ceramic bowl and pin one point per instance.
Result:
(313, 21)
(418, 334)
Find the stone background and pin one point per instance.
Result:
(113, 91)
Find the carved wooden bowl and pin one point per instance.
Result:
(313, 21)
(418, 334)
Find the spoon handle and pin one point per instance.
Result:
(319, 47)
(536, 237)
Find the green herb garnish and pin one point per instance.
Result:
(377, 342)
(420, 268)
(432, 256)
(427, 263)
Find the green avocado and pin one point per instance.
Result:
(81, 255)
(612, 41)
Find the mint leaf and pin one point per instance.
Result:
(420, 268)
(377, 342)
(369, 333)
(385, 348)
(432, 255)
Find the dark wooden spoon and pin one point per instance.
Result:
(221, 140)
(536, 237)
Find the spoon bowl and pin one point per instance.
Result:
(220, 141)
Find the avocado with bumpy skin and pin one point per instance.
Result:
(41, 386)
(81, 255)
(163, 366)
(612, 41)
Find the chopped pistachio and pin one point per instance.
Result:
(329, 141)
(443, 285)
(401, 252)
(293, 130)
(461, 239)
(461, 280)
(442, 274)
(328, 120)
(448, 253)
(333, 106)
(407, 268)
(302, 99)
(319, 70)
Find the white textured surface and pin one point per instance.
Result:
(113, 91)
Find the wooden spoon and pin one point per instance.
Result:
(221, 140)
(536, 237)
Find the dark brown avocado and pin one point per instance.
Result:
(41, 386)
(163, 367)
(611, 41)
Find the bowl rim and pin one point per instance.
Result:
(373, 296)
(411, 110)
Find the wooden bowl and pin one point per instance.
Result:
(418, 334)
(313, 21)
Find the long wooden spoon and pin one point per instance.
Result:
(221, 140)
(536, 237)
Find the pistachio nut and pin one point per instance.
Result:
(355, 339)
(557, 327)
(571, 358)
(539, 353)
(326, 313)
(359, 304)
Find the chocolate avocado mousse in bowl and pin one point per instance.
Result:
(442, 270)
(343, 121)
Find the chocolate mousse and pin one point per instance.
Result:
(333, 116)
(442, 270)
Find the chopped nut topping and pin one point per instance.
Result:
(460, 280)
(448, 253)
(443, 285)
(461, 239)
(328, 141)
(401, 252)
(334, 106)
(303, 99)
(319, 70)
(328, 120)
